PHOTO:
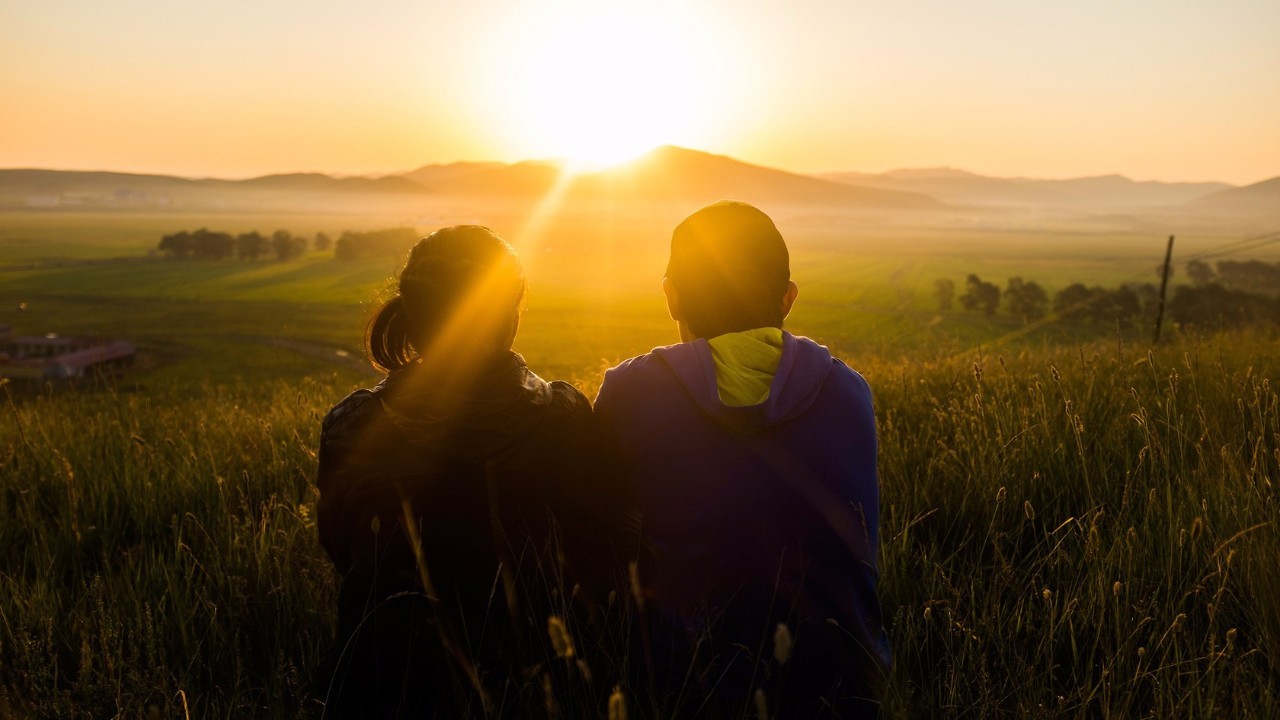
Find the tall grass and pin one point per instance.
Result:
(160, 551)
(1085, 531)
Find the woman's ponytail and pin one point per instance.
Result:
(387, 339)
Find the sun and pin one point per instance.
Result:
(604, 84)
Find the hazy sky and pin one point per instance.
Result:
(1168, 89)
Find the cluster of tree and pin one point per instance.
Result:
(1024, 299)
(1249, 276)
(1215, 306)
(1027, 300)
(375, 243)
(204, 244)
(1122, 306)
(1206, 305)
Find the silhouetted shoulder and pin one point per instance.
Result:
(568, 401)
(350, 411)
(632, 372)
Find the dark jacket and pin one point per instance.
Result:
(482, 472)
(754, 517)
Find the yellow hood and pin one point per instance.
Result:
(745, 364)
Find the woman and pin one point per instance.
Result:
(439, 489)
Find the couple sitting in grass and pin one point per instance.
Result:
(701, 543)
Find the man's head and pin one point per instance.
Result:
(729, 271)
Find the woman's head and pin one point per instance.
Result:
(459, 296)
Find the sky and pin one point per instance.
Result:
(1169, 89)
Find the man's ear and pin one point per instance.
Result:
(673, 300)
(789, 298)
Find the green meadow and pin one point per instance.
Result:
(1076, 524)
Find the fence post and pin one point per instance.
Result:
(1164, 286)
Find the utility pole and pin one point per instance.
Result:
(1164, 286)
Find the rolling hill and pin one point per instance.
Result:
(665, 175)
(674, 173)
(1106, 192)
(1260, 198)
(72, 190)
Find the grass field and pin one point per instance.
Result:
(1074, 525)
(1078, 532)
(593, 294)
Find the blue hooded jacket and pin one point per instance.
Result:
(754, 517)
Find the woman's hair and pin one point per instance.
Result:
(460, 285)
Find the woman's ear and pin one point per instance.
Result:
(789, 298)
(673, 300)
(512, 329)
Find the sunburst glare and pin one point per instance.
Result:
(604, 85)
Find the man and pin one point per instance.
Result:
(751, 454)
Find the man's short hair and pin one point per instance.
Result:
(730, 266)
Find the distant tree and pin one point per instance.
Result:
(1199, 272)
(1214, 306)
(322, 242)
(1252, 276)
(286, 246)
(944, 289)
(251, 245)
(208, 245)
(1098, 305)
(177, 245)
(377, 243)
(980, 296)
(1072, 300)
(1114, 307)
(1027, 300)
(1148, 298)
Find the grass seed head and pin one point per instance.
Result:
(561, 641)
(782, 644)
(617, 705)
(637, 591)
(762, 705)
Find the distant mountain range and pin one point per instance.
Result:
(965, 188)
(667, 174)
(1262, 197)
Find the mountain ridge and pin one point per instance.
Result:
(666, 173)
(1109, 191)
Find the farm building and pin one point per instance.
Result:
(57, 357)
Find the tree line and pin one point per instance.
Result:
(1235, 294)
(1251, 276)
(205, 244)
(392, 242)
(282, 245)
